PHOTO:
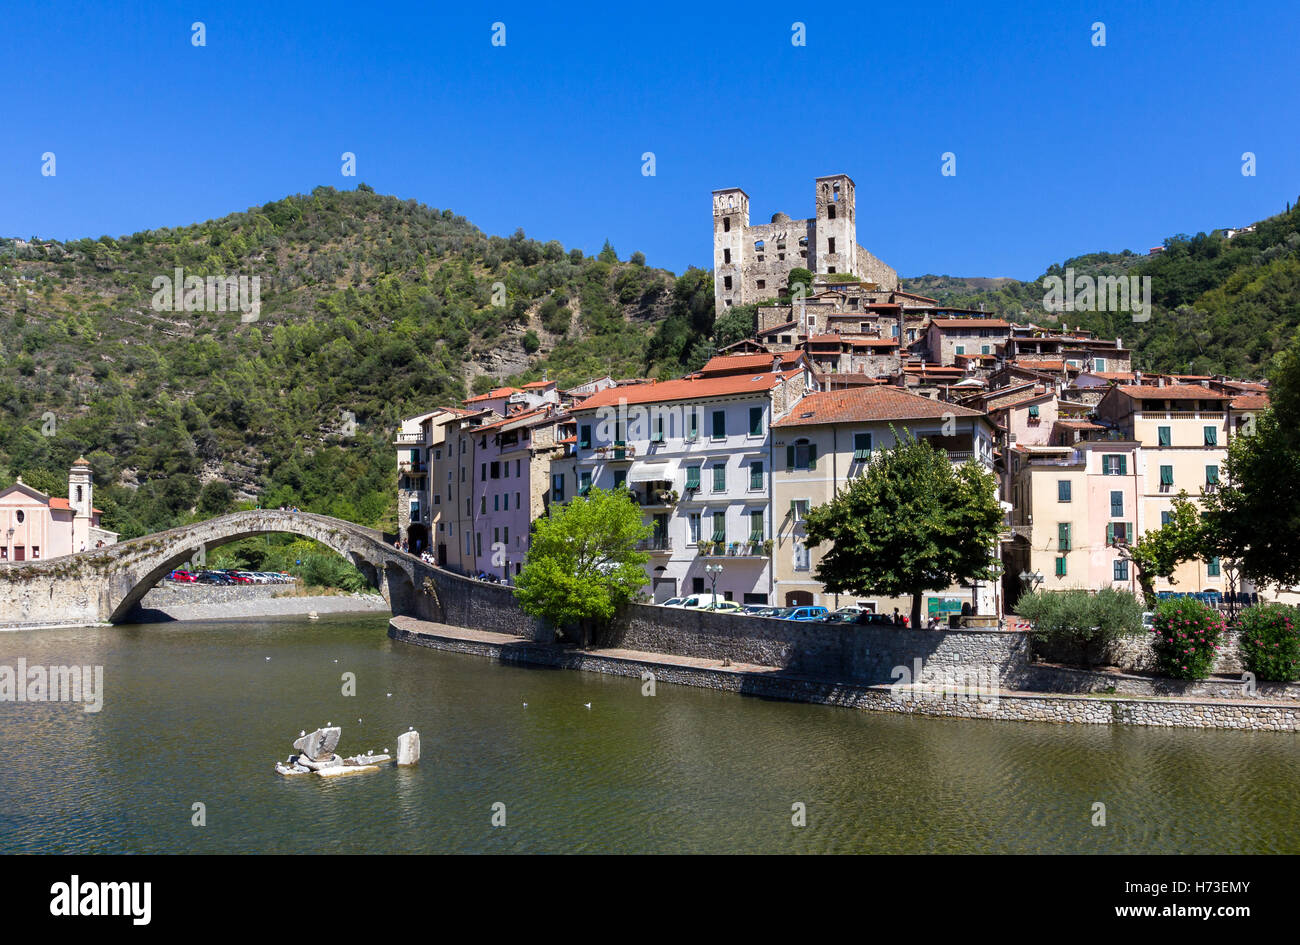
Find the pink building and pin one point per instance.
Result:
(34, 525)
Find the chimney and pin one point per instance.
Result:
(1160, 381)
(776, 364)
(1137, 377)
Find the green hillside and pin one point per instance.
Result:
(372, 309)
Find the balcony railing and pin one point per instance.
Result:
(617, 452)
(409, 468)
(655, 543)
(409, 439)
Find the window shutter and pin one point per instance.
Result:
(789, 456)
(1110, 534)
(1123, 465)
(812, 455)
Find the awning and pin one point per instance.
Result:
(653, 472)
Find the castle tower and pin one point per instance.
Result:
(730, 219)
(836, 247)
(81, 497)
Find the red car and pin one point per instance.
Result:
(185, 577)
(241, 578)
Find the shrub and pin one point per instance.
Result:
(1186, 638)
(531, 342)
(1081, 621)
(1270, 642)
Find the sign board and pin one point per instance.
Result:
(942, 606)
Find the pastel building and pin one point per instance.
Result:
(696, 456)
(828, 439)
(34, 525)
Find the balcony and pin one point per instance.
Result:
(754, 548)
(656, 544)
(618, 452)
(409, 439)
(414, 470)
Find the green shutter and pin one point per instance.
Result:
(1063, 535)
(755, 421)
(1212, 567)
(1163, 436)
(692, 477)
(584, 441)
(789, 456)
(1211, 474)
(1110, 534)
(1166, 475)
(1123, 465)
(719, 526)
(755, 475)
(1060, 567)
(719, 424)
(812, 455)
(1211, 436)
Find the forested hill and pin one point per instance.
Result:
(1218, 305)
(372, 308)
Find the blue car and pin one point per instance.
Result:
(803, 613)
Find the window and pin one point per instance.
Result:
(478, 543)
(1033, 412)
(756, 526)
(658, 435)
(692, 423)
(1166, 517)
(755, 421)
(726, 224)
(584, 437)
(861, 446)
(1211, 437)
(1211, 475)
(584, 482)
(719, 526)
(1063, 487)
(620, 478)
(830, 246)
(1063, 536)
(1117, 505)
(694, 520)
(692, 477)
(720, 478)
(1121, 570)
(697, 585)
(462, 474)
(762, 283)
(726, 282)
(1099, 364)
(799, 509)
(1212, 567)
(496, 503)
(482, 505)
(801, 455)
(1118, 533)
(505, 534)
(482, 474)
(1114, 465)
(1060, 567)
(960, 349)
(726, 257)
(1163, 436)
(496, 536)
(1166, 478)
(755, 477)
(557, 487)
(984, 349)
(518, 504)
(719, 424)
(830, 214)
(801, 556)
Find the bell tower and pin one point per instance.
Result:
(837, 226)
(82, 499)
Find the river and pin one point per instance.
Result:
(199, 712)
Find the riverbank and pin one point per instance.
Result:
(774, 682)
(216, 602)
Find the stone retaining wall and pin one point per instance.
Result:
(1020, 707)
(1135, 655)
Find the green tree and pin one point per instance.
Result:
(1158, 552)
(913, 523)
(1255, 514)
(583, 562)
(607, 254)
(800, 275)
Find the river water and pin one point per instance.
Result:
(199, 712)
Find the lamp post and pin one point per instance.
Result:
(713, 570)
(1032, 578)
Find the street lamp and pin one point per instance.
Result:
(713, 570)
(1033, 579)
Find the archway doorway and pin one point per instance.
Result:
(798, 598)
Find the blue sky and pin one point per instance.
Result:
(1062, 147)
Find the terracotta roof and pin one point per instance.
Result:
(1171, 392)
(64, 505)
(776, 328)
(1079, 425)
(494, 393)
(869, 403)
(748, 363)
(533, 384)
(1250, 402)
(970, 323)
(685, 389)
(1113, 375)
(1044, 364)
(873, 342)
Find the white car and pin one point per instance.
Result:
(674, 602)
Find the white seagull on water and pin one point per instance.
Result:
(586, 705)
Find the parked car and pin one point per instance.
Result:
(184, 577)
(867, 619)
(701, 601)
(674, 602)
(215, 577)
(838, 617)
(806, 613)
(724, 607)
(760, 610)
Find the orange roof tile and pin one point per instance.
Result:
(1250, 402)
(685, 389)
(869, 403)
(748, 363)
(1171, 392)
(970, 323)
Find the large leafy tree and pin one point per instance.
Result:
(1255, 515)
(913, 523)
(1159, 552)
(583, 562)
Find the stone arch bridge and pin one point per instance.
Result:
(106, 584)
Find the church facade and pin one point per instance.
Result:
(34, 526)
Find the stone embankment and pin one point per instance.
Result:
(987, 698)
(216, 602)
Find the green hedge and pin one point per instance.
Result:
(1081, 618)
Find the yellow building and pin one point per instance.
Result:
(827, 439)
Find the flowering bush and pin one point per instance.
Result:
(1186, 638)
(1270, 642)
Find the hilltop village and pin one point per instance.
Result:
(725, 463)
